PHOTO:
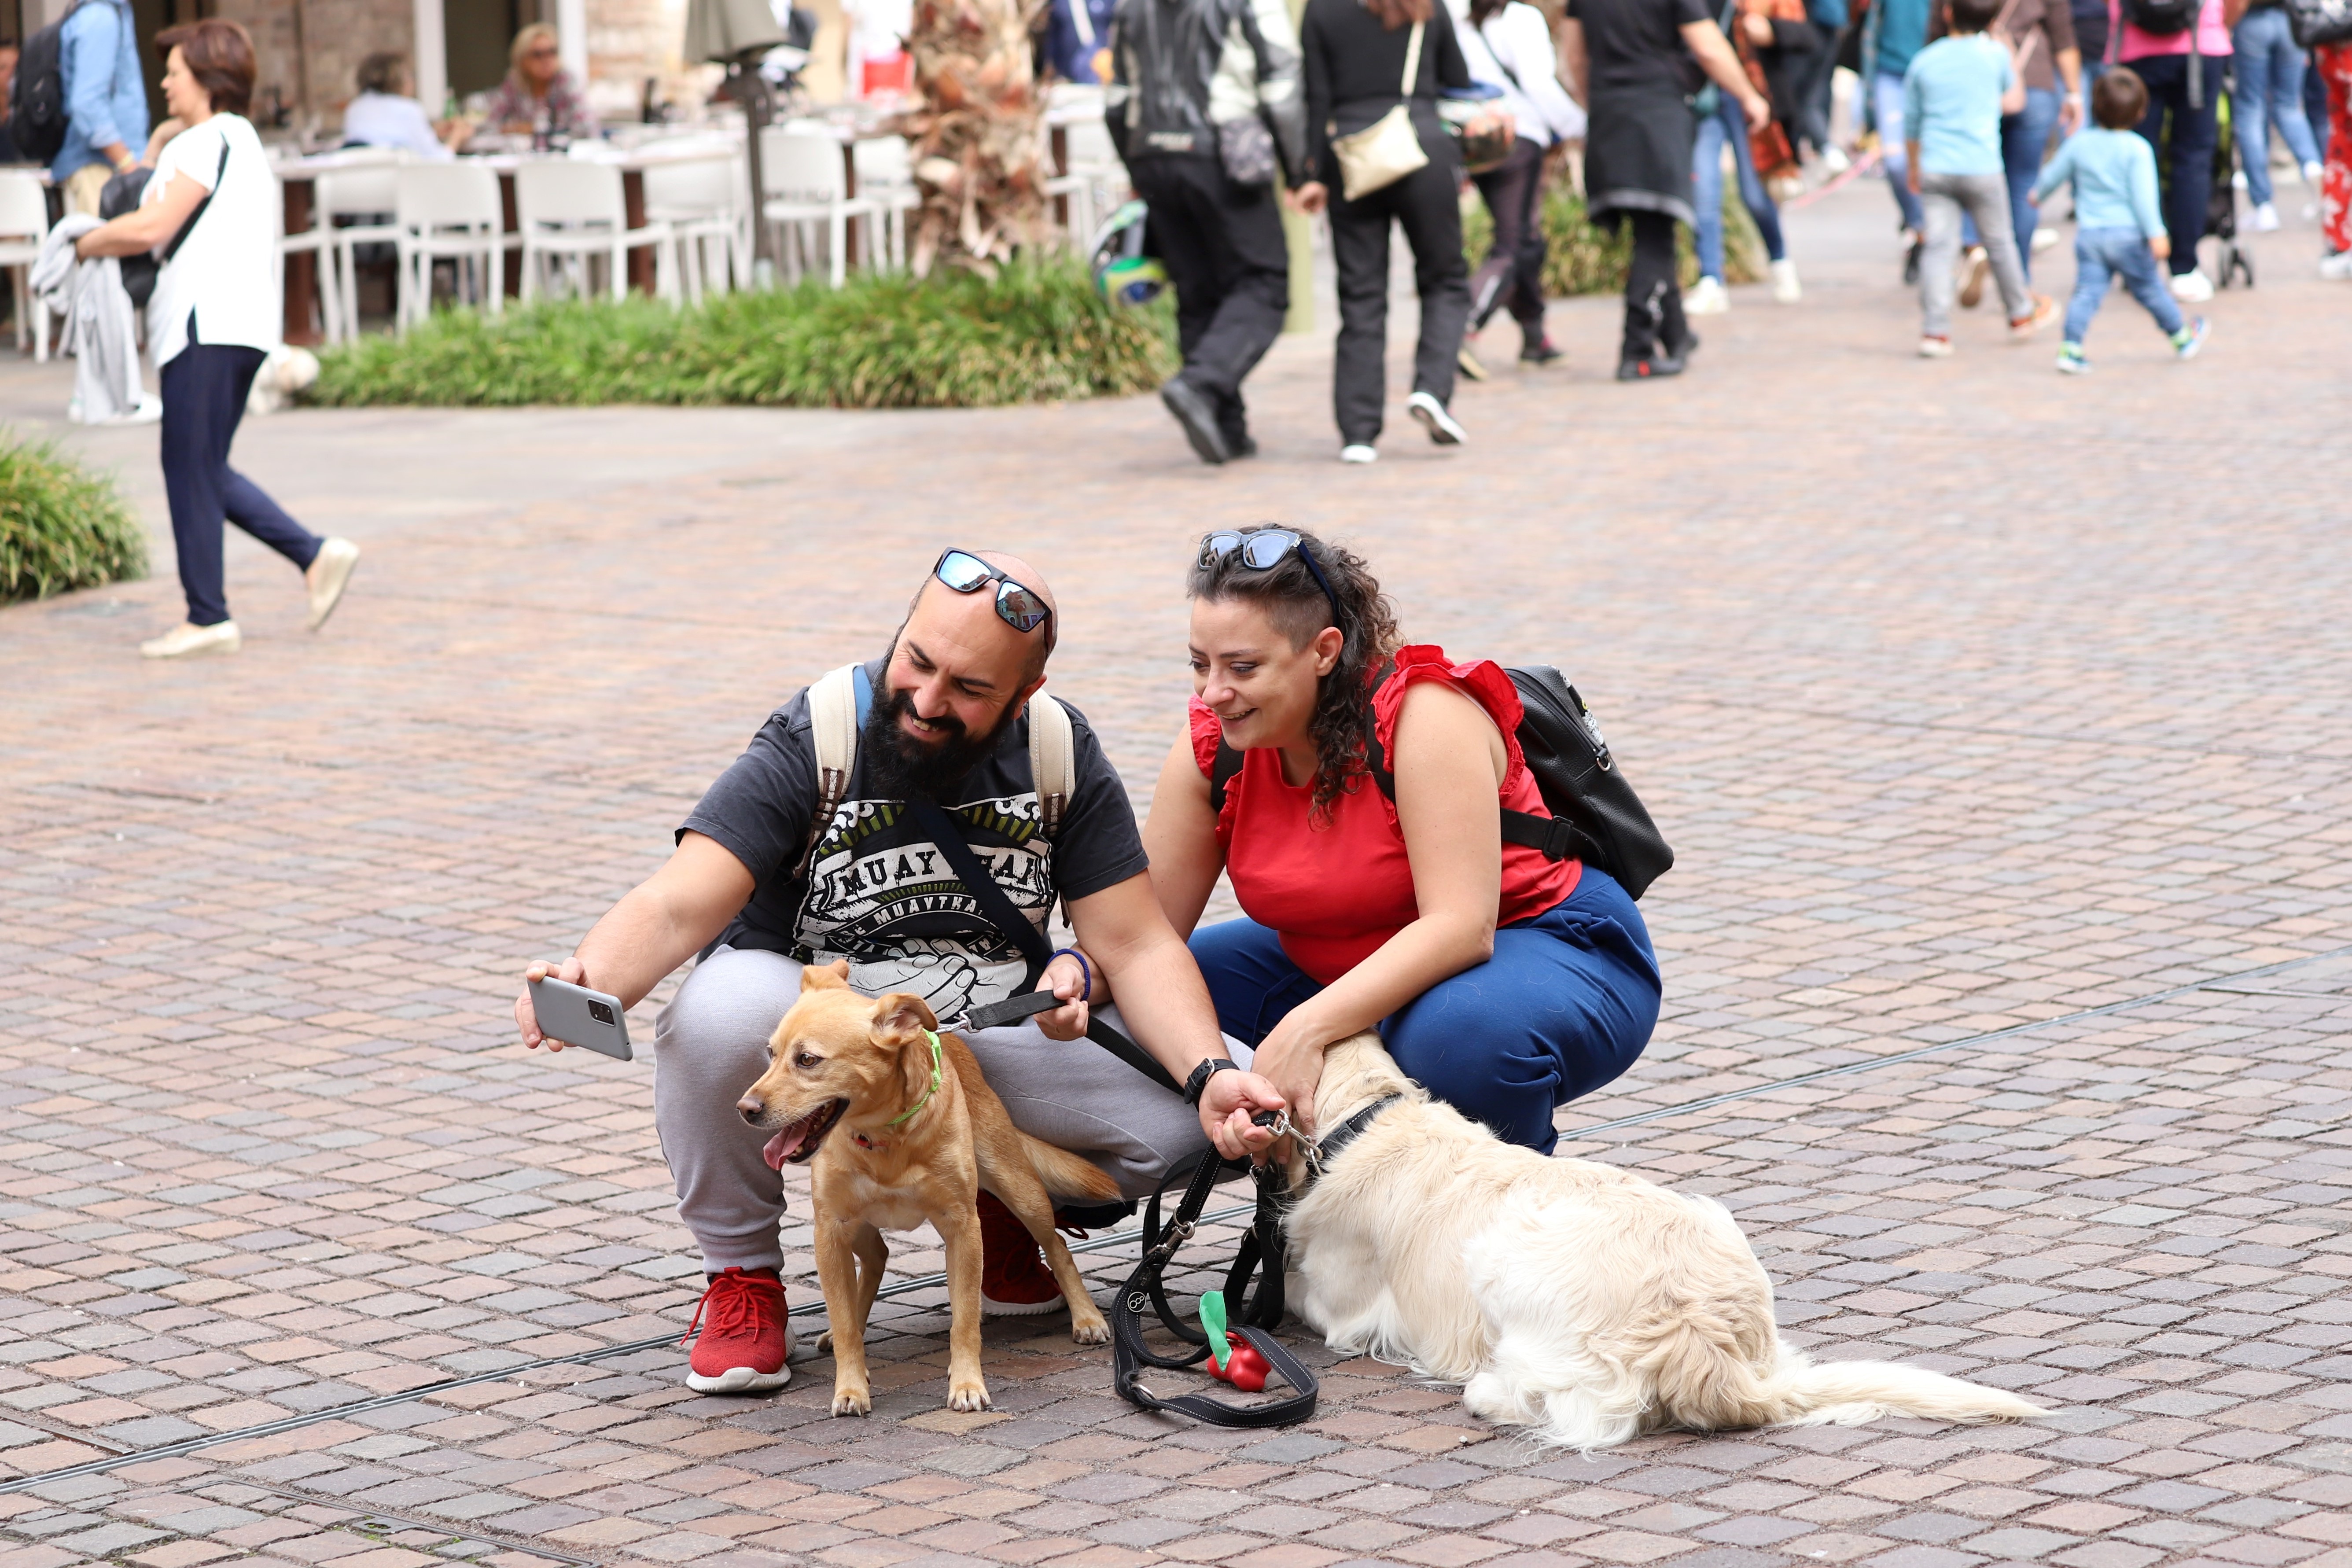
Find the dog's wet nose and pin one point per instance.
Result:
(750, 1108)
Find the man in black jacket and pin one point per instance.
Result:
(1198, 90)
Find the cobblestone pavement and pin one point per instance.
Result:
(2000, 722)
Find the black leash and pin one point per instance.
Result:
(1261, 1250)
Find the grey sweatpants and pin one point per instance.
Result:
(712, 1043)
(1984, 197)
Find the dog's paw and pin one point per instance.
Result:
(970, 1396)
(851, 1401)
(824, 1342)
(1088, 1328)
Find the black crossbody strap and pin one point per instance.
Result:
(998, 910)
(196, 216)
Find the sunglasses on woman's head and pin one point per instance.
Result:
(1263, 549)
(1019, 606)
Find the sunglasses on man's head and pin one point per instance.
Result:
(1017, 606)
(1263, 549)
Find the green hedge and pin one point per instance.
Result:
(1582, 257)
(61, 526)
(1033, 333)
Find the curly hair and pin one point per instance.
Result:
(1341, 724)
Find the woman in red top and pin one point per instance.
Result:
(1505, 982)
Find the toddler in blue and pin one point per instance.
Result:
(2118, 227)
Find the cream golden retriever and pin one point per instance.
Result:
(1572, 1298)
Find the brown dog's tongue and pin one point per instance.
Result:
(779, 1150)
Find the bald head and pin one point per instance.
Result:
(1035, 647)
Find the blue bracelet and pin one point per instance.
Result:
(1085, 968)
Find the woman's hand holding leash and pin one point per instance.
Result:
(1228, 1103)
(1291, 1059)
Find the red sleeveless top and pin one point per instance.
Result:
(1335, 894)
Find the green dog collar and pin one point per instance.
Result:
(908, 1113)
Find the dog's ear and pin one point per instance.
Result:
(901, 1016)
(834, 976)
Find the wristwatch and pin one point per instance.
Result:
(1198, 1083)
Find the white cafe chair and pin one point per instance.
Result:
(23, 224)
(1094, 181)
(886, 177)
(571, 212)
(808, 185)
(703, 201)
(450, 212)
(365, 187)
(318, 242)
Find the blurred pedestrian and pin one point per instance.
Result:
(1205, 160)
(1756, 28)
(2118, 227)
(106, 102)
(2270, 66)
(538, 98)
(8, 57)
(1078, 39)
(1636, 65)
(214, 317)
(1509, 44)
(386, 113)
(1954, 96)
(1368, 62)
(1894, 31)
(2183, 71)
(2333, 65)
(2040, 34)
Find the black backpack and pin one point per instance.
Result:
(2162, 17)
(1596, 816)
(37, 99)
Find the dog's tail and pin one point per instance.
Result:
(1067, 1176)
(1804, 1392)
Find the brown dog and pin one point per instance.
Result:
(923, 1133)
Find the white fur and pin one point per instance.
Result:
(1569, 1297)
(285, 373)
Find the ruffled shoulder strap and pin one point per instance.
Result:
(1207, 735)
(1483, 681)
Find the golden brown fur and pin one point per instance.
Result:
(841, 1066)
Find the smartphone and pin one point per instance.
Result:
(579, 1016)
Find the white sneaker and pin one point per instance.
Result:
(1707, 297)
(2265, 218)
(2238, 181)
(1441, 426)
(1935, 348)
(188, 641)
(2335, 268)
(2192, 286)
(1834, 160)
(2313, 173)
(1786, 290)
(1356, 452)
(327, 575)
(2044, 238)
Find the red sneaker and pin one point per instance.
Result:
(1014, 1279)
(742, 1348)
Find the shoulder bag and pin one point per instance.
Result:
(1388, 149)
(2317, 22)
(121, 194)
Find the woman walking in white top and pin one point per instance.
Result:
(1508, 44)
(213, 319)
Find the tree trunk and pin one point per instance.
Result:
(974, 136)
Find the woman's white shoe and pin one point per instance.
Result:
(188, 641)
(1707, 297)
(1785, 287)
(327, 575)
(1358, 452)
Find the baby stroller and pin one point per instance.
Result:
(2229, 257)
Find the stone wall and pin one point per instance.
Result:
(312, 60)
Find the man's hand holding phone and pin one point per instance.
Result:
(570, 973)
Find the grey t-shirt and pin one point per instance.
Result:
(880, 893)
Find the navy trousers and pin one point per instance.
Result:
(1565, 1004)
(205, 388)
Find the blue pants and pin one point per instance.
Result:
(2024, 138)
(1726, 124)
(204, 387)
(2099, 252)
(1565, 1004)
(2189, 179)
(2269, 92)
(1886, 112)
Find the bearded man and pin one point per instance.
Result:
(757, 888)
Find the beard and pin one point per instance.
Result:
(897, 766)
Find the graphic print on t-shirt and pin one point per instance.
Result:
(881, 895)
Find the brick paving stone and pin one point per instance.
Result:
(1970, 706)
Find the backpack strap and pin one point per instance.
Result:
(1555, 837)
(1221, 770)
(839, 702)
(1053, 751)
